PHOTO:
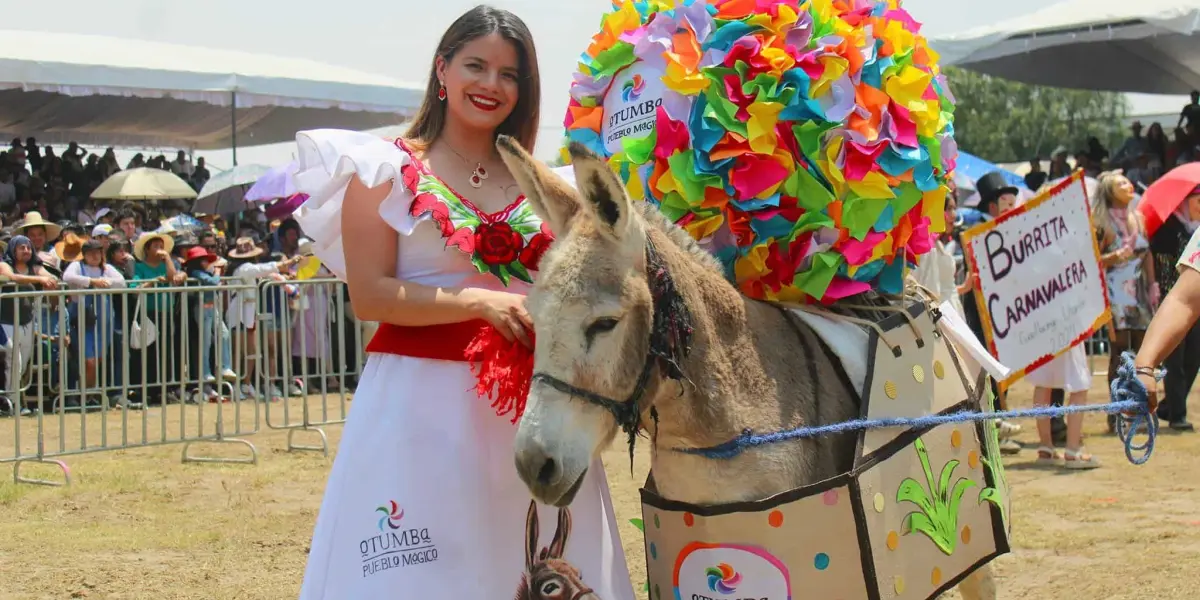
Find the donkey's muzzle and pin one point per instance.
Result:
(544, 475)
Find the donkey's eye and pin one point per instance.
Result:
(601, 325)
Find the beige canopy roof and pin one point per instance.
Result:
(100, 90)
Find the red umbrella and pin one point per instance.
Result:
(1164, 196)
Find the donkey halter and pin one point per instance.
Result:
(670, 337)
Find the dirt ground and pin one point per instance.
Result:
(139, 524)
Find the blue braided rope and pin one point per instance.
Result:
(1130, 403)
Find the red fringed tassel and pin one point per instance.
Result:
(504, 370)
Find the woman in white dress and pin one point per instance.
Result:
(434, 241)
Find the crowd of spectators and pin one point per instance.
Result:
(59, 184)
(1143, 157)
(54, 237)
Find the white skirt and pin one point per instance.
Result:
(1069, 372)
(424, 502)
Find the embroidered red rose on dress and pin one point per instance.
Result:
(497, 243)
(531, 256)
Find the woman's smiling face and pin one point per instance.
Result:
(481, 82)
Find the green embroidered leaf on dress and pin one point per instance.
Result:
(460, 215)
(479, 264)
(502, 273)
(524, 221)
(518, 270)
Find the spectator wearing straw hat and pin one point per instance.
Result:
(247, 264)
(39, 231)
(154, 266)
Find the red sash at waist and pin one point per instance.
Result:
(438, 342)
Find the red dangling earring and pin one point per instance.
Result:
(442, 92)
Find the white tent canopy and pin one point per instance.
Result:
(101, 90)
(1149, 46)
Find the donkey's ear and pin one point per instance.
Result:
(601, 190)
(553, 200)
(558, 546)
(531, 536)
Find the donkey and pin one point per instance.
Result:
(547, 575)
(618, 294)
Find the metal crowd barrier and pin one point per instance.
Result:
(94, 370)
(1096, 347)
(313, 345)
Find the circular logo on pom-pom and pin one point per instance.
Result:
(631, 112)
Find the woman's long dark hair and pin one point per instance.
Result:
(1156, 139)
(478, 22)
(10, 253)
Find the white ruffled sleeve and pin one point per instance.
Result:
(327, 159)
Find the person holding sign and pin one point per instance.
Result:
(996, 196)
(1129, 274)
(1068, 372)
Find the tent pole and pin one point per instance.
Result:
(233, 124)
(233, 141)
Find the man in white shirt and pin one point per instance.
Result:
(181, 166)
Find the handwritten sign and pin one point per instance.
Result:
(1041, 287)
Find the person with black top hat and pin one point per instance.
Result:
(996, 196)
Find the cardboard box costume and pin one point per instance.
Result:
(921, 509)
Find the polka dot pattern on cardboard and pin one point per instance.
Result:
(889, 388)
(880, 502)
(918, 373)
(775, 519)
(939, 370)
(830, 497)
(821, 561)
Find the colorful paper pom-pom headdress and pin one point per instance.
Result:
(805, 143)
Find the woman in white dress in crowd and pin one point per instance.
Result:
(434, 240)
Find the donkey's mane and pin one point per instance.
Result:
(860, 305)
(681, 238)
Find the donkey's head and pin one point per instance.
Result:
(548, 576)
(591, 307)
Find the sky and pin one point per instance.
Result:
(397, 37)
